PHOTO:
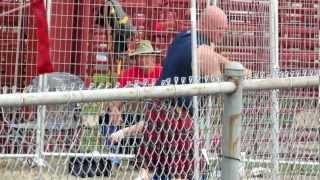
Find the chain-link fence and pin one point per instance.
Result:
(92, 41)
(39, 140)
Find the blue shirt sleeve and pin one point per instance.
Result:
(178, 62)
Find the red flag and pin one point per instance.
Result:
(43, 60)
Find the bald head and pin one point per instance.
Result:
(212, 23)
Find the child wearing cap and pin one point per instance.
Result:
(144, 70)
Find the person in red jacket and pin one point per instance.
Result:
(144, 71)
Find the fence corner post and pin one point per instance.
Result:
(231, 123)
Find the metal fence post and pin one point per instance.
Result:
(48, 5)
(231, 123)
(274, 68)
(195, 75)
(41, 114)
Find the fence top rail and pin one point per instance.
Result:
(281, 83)
(96, 95)
(81, 96)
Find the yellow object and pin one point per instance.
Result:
(124, 20)
(179, 110)
(112, 10)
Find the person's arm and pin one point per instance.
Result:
(211, 62)
(134, 129)
(115, 113)
(129, 131)
(115, 106)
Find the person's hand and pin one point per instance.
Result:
(247, 72)
(115, 116)
(143, 175)
(116, 137)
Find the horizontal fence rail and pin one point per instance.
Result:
(21, 99)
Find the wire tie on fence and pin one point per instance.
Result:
(176, 80)
(229, 157)
(162, 82)
(183, 80)
(206, 78)
(168, 81)
(190, 79)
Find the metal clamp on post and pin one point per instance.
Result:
(234, 71)
(231, 123)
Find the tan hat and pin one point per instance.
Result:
(144, 47)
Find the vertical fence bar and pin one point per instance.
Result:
(274, 68)
(41, 110)
(19, 41)
(41, 114)
(49, 10)
(231, 124)
(208, 129)
(195, 74)
(208, 120)
(211, 2)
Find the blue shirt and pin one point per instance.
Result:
(179, 59)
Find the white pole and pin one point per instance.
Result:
(211, 2)
(99, 95)
(281, 83)
(208, 129)
(231, 124)
(122, 156)
(195, 103)
(131, 156)
(41, 115)
(18, 155)
(274, 55)
(19, 41)
(48, 4)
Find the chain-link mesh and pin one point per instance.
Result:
(157, 135)
(87, 39)
(298, 134)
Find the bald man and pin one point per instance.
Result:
(178, 62)
(174, 158)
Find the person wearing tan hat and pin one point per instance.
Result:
(144, 70)
(145, 67)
